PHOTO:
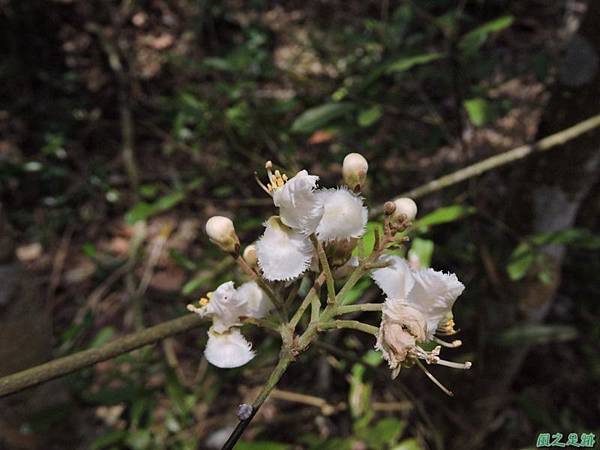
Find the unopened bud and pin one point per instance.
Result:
(354, 170)
(406, 209)
(250, 255)
(389, 208)
(220, 231)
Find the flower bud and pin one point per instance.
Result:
(249, 255)
(221, 232)
(354, 170)
(406, 210)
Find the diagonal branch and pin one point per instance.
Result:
(72, 363)
(547, 143)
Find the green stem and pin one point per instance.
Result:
(351, 324)
(360, 307)
(325, 268)
(286, 357)
(312, 294)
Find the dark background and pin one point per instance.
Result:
(125, 124)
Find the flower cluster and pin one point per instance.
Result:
(314, 235)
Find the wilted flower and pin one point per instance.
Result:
(344, 215)
(220, 231)
(228, 349)
(418, 304)
(283, 253)
(354, 170)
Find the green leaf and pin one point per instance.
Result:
(521, 259)
(319, 116)
(108, 439)
(103, 336)
(368, 240)
(144, 210)
(359, 394)
(139, 439)
(369, 116)
(470, 42)
(445, 214)
(407, 63)
(261, 445)
(480, 111)
(536, 334)
(385, 433)
(408, 444)
(423, 249)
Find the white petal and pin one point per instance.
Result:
(257, 304)
(298, 204)
(228, 350)
(434, 294)
(283, 253)
(344, 215)
(396, 280)
(224, 307)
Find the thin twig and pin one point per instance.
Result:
(547, 143)
(313, 293)
(350, 324)
(325, 268)
(346, 309)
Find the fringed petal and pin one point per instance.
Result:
(228, 350)
(344, 215)
(283, 253)
(434, 295)
(396, 280)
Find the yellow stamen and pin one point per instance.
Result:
(203, 301)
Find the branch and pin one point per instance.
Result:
(500, 160)
(325, 268)
(72, 363)
(284, 361)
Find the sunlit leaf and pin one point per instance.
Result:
(480, 111)
(407, 63)
(521, 259)
(474, 39)
(423, 249)
(445, 214)
(369, 116)
(261, 445)
(319, 116)
(408, 444)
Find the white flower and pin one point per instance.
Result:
(220, 231)
(256, 302)
(297, 202)
(417, 303)
(431, 292)
(227, 350)
(283, 253)
(223, 306)
(344, 215)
